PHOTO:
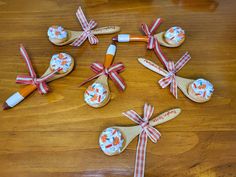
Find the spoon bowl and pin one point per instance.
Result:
(162, 40)
(62, 73)
(102, 91)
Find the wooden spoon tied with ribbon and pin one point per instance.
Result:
(182, 83)
(135, 38)
(102, 80)
(173, 37)
(60, 36)
(27, 90)
(129, 133)
(73, 35)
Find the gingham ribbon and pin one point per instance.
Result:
(172, 68)
(152, 41)
(31, 78)
(113, 72)
(147, 132)
(87, 27)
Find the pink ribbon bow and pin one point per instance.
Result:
(152, 41)
(113, 72)
(172, 68)
(87, 27)
(147, 131)
(31, 78)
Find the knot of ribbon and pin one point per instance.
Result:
(170, 78)
(149, 32)
(87, 27)
(112, 72)
(152, 41)
(40, 83)
(147, 132)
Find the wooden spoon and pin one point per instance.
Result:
(101, 82)
(72, 35)
(160, 38)
(182, 83)
(25, 91)
(129, 133)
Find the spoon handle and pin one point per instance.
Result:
(111, 51)
(19, 96)
(106, 30)
(129, 38)
(152, 66)
(166, 116)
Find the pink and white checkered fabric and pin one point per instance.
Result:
(152, 41)
(31, 78)
(172, 68)
(87, 27)
(112, 71)
(147, 132)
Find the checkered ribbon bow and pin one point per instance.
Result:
(31, 78)
(172, 68)
(152, 41)
(112, 71)
(147, 132)
(87, 27)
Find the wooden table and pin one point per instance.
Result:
(56, 135)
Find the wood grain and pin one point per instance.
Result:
(56, 135)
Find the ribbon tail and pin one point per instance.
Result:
(173, 88)
(132, 115)
(92, 24)
(140, 155)
(24, 79)
(160, 54)
(153, 134)
(81, 17)
(89, 79)
(27, 60)
(93, 39)
(155, 25)
(182, 61)
(43, 88)
(148, 111)
(97, 67)
(119, 82)
(164, 82)
(145, 29)
(80, 40)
